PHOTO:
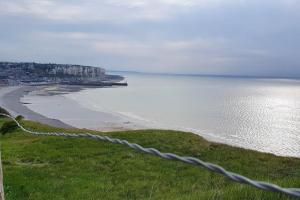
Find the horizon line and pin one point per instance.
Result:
(208, 75)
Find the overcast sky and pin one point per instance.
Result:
(238, 37)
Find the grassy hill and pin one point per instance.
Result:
(38, 167)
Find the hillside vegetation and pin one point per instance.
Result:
(39, 167)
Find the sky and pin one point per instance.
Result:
(224, 37)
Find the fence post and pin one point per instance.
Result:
(1, 179)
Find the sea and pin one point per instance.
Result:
(253, 113)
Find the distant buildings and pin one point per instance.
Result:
(24, 73)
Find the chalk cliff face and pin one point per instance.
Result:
(77, 71)
(35, 72)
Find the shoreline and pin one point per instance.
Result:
(10, 99)
(17, 100)
(13, 99)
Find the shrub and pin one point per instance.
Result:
(7, 127)
(19, 118)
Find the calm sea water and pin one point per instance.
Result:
(260, 114)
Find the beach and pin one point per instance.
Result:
(257, 114)
(13, 99)
(10, 100)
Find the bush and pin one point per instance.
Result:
(19, 118)
(8, 127)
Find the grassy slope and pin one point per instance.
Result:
(59, 168)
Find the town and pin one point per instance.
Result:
(12, 73)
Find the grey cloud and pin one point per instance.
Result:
(214, 37)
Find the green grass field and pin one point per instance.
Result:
(38, 167)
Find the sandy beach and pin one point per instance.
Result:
(10, 100)
(52, 108)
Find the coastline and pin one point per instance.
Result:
(10, 100)
(52, 105)
(62, 113)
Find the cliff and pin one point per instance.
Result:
(18, 73)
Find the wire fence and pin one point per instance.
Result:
(295, 192)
